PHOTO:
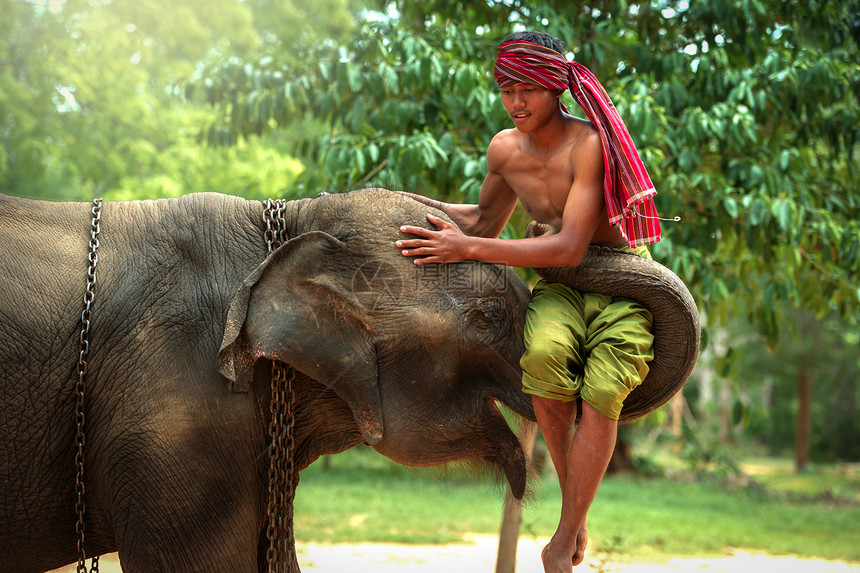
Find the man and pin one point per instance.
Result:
(586, 180)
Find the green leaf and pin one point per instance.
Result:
(757, 212)
(373, 152)
(782, 212)
(446, 142)
(359, 160)
(354, 79)
(331, 163)
(731, 207)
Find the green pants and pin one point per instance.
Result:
(585, 345)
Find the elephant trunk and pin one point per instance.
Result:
(676, 327)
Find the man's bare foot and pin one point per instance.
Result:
(558, 559)
(555, 560)
(581, 543)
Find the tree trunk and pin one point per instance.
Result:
(805, 368)
(804, 419)
(506, 558)
(621, 461)
(676, 413)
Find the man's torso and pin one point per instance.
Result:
(543, 180)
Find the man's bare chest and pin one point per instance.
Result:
(542, 186)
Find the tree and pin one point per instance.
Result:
(92, 98)
(745, 113)
(29, 85)
(817, 354)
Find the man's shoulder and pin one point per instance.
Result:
(503, 145)
(585, 142)
(505, 139)
(582, 132)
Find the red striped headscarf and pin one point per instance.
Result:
(627, 188)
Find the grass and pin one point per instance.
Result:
(364, 497)
(840, 481)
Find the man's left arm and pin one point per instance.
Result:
(582, 212)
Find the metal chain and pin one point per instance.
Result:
(281, 552)
(282, 467)
(280, 555)
(80, 387)
(276, 224)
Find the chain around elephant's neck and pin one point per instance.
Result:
(276, 224)
(80, 506)
(281, 554)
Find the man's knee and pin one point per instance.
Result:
(544, 355)
(606, 399)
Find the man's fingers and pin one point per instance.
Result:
(414, 250)
(428, 259)
(413, 243)
(438, 221)
(420, 231)
(424, 248)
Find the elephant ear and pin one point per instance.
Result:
(297, 307)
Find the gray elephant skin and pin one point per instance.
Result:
(189, 311)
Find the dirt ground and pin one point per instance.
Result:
(478, 555)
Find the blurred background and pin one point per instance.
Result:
(745, 113)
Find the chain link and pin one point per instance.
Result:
(276, 224)
(281, 554)
(80, 387)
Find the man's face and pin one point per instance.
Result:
(529, 106)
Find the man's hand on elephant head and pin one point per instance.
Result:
(447, 245)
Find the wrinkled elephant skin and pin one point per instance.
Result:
(188, 313)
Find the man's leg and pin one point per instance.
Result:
(555, 419)
(580, 462)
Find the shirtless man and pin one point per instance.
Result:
(553, 163)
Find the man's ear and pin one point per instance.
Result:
(297, 307)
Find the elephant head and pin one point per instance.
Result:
(419, 354)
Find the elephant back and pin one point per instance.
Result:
(676, 327)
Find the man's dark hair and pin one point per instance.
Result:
(541, 38)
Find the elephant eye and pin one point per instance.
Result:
(491, 318)
(487, 323)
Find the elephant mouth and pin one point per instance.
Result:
(471, 430)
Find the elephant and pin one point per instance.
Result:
(185, 321)
(188, 312)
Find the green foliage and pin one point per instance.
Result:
(827, 350)
(707, 456)
(252, 170)
(395, 108)
(745, 113)
(92, 98)
(29, 85)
